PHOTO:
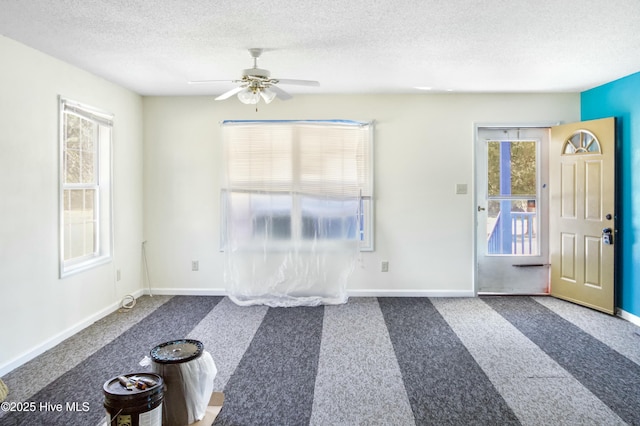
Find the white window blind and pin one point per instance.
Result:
(304, 157)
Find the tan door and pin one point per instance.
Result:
(582, 197)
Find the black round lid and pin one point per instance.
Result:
(177, 351)
(124, 386)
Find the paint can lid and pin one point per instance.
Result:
(177, 351)
(132, 386)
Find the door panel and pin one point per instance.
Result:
(582, 197)
(568, 186)
(568, 259)
(593, 190)
(592, 271)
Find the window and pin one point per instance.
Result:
(512, 197)
(295, 178)
(582, 142)
(85, 187)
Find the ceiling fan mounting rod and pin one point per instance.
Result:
(255, 54)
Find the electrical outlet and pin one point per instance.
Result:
(384, 266)
(195, 265)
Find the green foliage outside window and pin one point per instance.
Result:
(523, 171)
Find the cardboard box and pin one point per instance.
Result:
(213, 409)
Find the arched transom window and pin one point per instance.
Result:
(581, 142)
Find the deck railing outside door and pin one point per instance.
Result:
(519, 238)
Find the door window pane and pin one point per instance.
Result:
(512, 227)
(512, 179)
(512, 168)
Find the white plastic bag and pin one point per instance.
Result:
(197, 378)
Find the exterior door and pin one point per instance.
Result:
(512, 212)
(582, 226)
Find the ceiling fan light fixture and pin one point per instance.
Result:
(267, 95)
(248, 96)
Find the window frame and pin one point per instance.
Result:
(102, 186)
(367, 201)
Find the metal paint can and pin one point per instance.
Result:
(167, 359)
(134, 399)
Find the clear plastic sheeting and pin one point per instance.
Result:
(292, 203)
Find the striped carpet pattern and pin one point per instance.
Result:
(373, 361)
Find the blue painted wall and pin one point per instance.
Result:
(621, 99)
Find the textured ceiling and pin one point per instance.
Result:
(355, 46)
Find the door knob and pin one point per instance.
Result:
(481, 209)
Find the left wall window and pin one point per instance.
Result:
(85, 188)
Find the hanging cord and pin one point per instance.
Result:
(146, 266)
(128, 302)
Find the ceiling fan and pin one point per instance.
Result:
(257, 83)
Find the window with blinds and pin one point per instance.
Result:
(85, 187)
(295, 178)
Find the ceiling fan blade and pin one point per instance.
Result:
(280, 93)
(230, 93)
(211, 81)
(298, 82)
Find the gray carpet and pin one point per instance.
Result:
(373, 361)
(444, 383)
(609, 375)
(276, 389)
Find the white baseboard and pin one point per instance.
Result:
(409, 293)
(350, 293)
(58, 338)
(629, 317)
(187, 291)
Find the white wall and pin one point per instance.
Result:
(37, 308)
(423, 148)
